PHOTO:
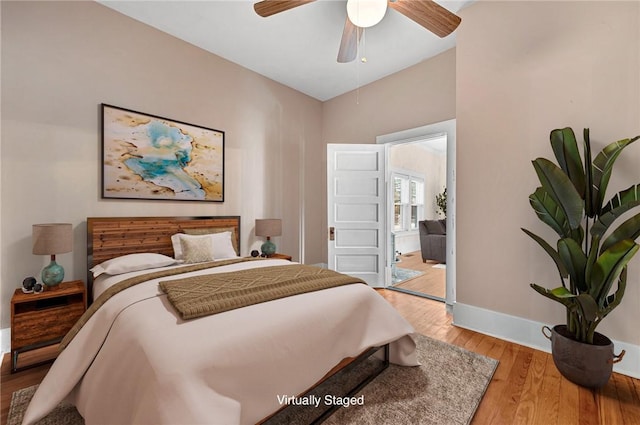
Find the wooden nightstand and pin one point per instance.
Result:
(280, 256)
(39, 320)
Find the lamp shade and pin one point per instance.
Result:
(52, 238)
(269, 227)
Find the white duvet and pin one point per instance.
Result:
(136, 361)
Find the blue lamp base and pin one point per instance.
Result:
(268, 248)
(52, 274)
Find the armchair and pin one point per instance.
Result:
(433, 237)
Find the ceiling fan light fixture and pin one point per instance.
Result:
(366, 13)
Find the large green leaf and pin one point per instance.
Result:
(548, 210)
(594, 252)
(565, 148)
(561, 189)
(621, 203)
(588, 176)
(589, 307)
(630, 229)
(614, 299)
(551, 251)
(602, 168)
(608, 267)
(610, 302)
(561, 295)
(561, 292)
(631, 194)
(575, 261)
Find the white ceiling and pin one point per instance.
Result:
(298, 47)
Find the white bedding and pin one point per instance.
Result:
(136, 361)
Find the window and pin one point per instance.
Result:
(408, 202)
(417, 201)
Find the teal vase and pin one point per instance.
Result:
(268, 248)
(52, 274)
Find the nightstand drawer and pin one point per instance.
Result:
(44, 324)
(42, 319)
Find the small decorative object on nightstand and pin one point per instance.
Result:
(52, 239)
(268, 227)
(42, 319)
(30, 285)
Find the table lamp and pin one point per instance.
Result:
(51, 239)
(268, 227)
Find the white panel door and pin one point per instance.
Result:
(356, 211)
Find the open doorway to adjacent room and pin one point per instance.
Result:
(421, 210)
(418, 229)
(376, 207)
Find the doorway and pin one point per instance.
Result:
(418, 172)
(429, 170)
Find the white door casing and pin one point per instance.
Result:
(419, 133)
(357, 237)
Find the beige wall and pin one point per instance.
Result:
(419, 95)
(60, 60)
(524, 68)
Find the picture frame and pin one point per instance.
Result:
(147, 156)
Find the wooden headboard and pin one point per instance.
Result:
(110, 237)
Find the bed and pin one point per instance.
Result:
(136, 359)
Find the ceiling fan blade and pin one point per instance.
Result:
(271, 7)
(349, 43)
(429, 14)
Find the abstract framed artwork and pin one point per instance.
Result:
(150, 157)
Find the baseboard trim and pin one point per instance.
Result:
(528, 333)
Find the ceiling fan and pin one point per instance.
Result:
(426, 13)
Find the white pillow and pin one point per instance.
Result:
(222, 247)
(131, 263)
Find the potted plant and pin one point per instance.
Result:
(441, 202)
(591, 253)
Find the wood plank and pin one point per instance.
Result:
(463, 338)
(431, 282)
(569, 394)
(629, 398)
(609, 411)
(588, 406)
(512, 392)
(473, 342)
(487, 409)
(528, 409)
(113, 236)
(547, 413)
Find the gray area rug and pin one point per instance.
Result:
(400, 275)
(445, 390)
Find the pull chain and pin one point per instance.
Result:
(363, 56)
(363, 59)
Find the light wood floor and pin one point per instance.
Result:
(431, 282)
(526, 388)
